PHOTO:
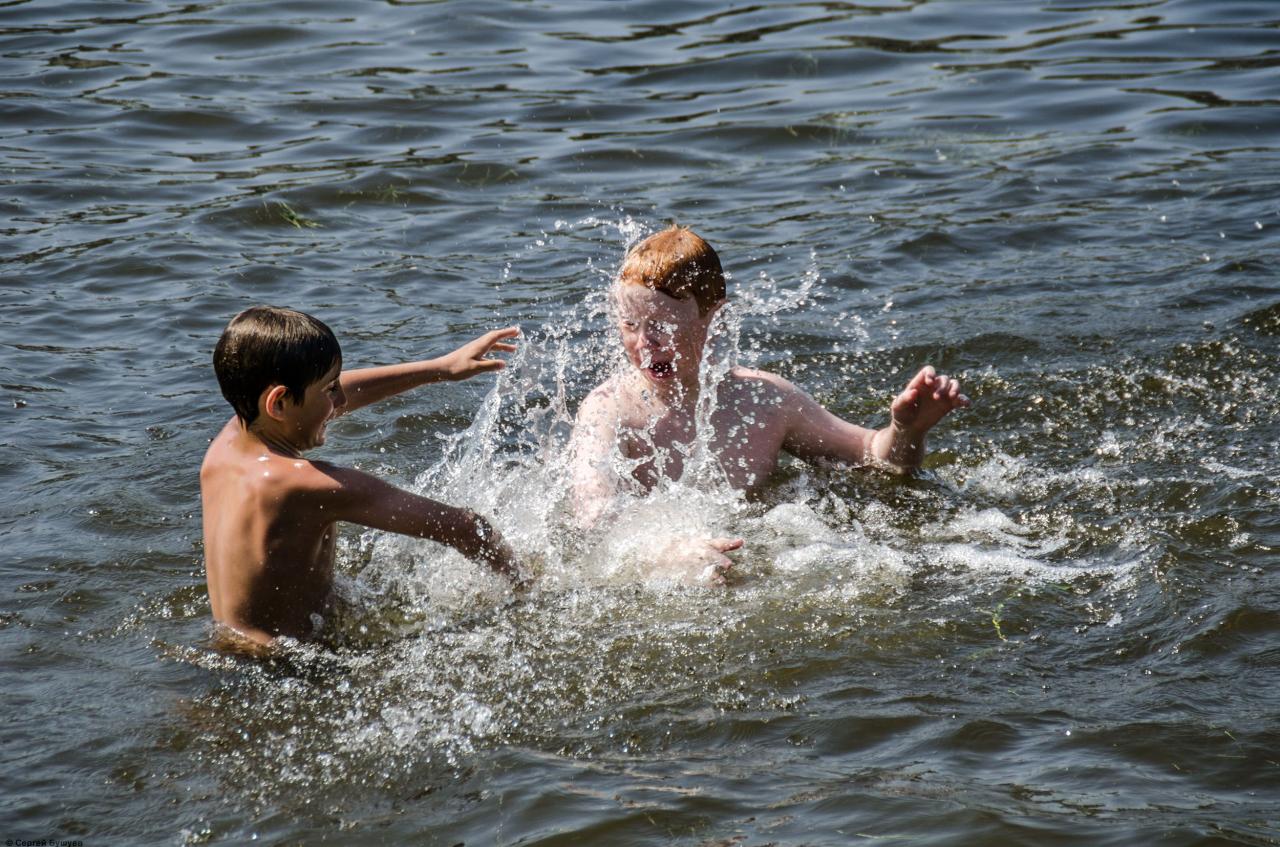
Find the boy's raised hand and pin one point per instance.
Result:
(472, 358)
(927, 399)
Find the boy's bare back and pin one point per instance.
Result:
(269, 545)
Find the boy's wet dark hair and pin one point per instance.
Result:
(265, 346)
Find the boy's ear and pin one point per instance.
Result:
(272, 402)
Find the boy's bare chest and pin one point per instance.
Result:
(745, 446)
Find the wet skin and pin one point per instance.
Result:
(648, 412)
(270, 514)
(269, 563)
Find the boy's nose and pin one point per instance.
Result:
(340, 402)
(655, 336)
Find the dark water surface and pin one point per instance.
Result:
(1065, 631)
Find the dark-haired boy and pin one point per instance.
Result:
(665, 297)
(269, 514)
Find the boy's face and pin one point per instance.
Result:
(320, 403)
(663, 337)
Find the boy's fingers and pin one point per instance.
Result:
(922, 378)
(714, 572)
(904, 400)
(726, 545)
(506, 332)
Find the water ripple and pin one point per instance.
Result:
(1061, 631)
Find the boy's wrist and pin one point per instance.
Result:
(896, 437)
(905, 446)
(494, 551)
(438, 369)
(901, 431)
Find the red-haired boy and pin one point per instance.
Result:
(665, 297)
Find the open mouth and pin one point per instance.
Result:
(661, 370)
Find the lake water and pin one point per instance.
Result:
(1065, 630)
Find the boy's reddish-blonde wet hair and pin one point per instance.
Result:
(679, 264)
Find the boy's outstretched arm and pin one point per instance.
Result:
(369, 385)
(815, 433)
(345, 494)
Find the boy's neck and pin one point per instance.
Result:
(271, 436)
(675, 395)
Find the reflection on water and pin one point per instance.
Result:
(1062, 630)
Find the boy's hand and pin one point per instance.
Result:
(496, 553)
(926, 400)
(471, 358)
(697, 561)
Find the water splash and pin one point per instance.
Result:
(512, 463)
(437, 658)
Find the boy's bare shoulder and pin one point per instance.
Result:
(764, 392)
(317, 482)
(604, 399)
(766, 383)
(607, 390)
(253, 470)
